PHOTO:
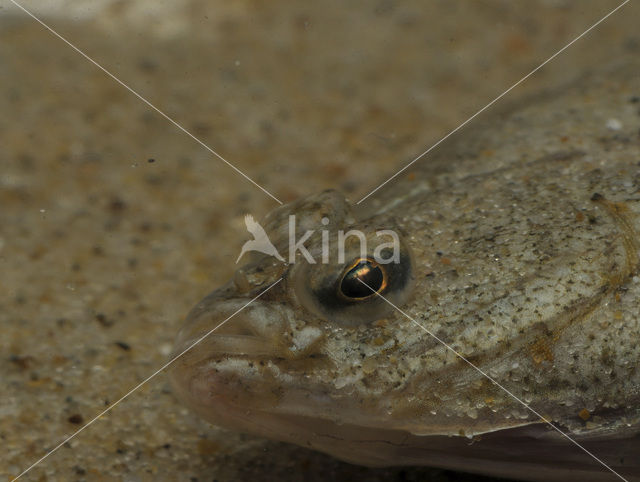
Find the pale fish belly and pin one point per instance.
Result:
(519, 250)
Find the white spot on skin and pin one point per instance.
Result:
(304, 338)
(614, 124)
(165, 349)
(348, 380)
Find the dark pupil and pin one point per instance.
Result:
(364, 272)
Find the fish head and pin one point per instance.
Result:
(287, 349)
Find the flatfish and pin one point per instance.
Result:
(492, 315)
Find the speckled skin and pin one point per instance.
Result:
(524, 251)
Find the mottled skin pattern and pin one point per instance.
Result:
(521, 238)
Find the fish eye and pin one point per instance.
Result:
(362, 279)
(347, 293)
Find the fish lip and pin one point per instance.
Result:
(221, 332)
(220, 325)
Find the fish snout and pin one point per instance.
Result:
(224, 355)
(232, 328)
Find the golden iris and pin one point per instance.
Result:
(363, 278)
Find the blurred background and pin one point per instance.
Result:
(114, 223)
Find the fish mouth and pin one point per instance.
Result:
(231, 327)
(221, 353)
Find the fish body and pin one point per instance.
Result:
(518, 250)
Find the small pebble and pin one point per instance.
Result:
(123, 345)
(75, 419)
